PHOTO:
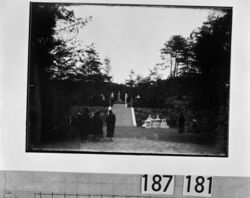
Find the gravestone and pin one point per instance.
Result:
(164, 124)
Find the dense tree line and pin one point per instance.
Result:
(202, 59)
(199, 77)
(59, 65)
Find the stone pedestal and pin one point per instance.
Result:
(164, 124)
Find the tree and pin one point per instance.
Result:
(132, 79)
(49, 49)
(68, 54)
(154, 73)
(174, 49)
(138, 78)
(89, 69)
(213, 47)
(53, 37)
(72, 60)
(107, 69)
(166, 55)
(212, 50)
(188, 59)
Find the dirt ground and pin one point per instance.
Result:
(136, 140)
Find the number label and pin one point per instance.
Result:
(197, 186)
(157, 184)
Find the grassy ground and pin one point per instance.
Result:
(139, 140)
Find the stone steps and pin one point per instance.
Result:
(123, 115)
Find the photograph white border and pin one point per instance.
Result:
(13, 100)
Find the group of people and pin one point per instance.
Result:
(89, 127)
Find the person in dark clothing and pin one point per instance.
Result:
(76, 125)
(97, 125)
(181, 123)
(85, 125)
(73, 127)
(110, 124)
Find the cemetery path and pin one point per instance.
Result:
(139, 140)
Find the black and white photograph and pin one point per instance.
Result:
(128, 79)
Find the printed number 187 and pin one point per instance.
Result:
(157, 184)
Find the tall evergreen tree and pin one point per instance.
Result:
(53, 29)
(107, 69)
(174, 48)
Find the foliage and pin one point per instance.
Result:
(43, 113)
(107, 69)
(203, 57)
(175, 49)
(213, 46)
(58, 62)
(212, 49)
(132, 79)
(73, 61)
(154, 73)
(199, 71)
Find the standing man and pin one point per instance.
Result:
(110, 124)
(181, 123)
(97, 125)
(85, 125)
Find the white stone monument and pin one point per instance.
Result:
(157, 122)
(154, 124)
(148, 122)
(125, 100)
(164, 124)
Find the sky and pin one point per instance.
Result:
(133, 36)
